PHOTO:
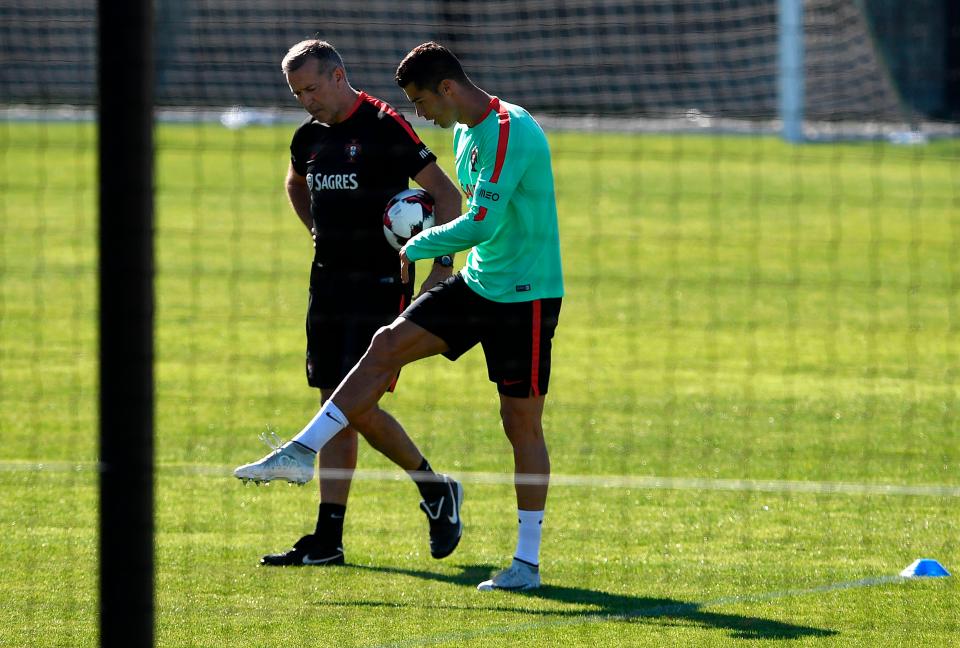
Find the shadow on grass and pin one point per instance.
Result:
(612, 607)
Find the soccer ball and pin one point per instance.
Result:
(407, 214)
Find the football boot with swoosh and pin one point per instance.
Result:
(306, 551)
(443, 514)
(291, 461)
(517, 577)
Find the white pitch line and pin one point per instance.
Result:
(639, 482)
(676, 610)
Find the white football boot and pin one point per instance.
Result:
(291, 461)
(518, 576)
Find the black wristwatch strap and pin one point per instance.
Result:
(446, 260)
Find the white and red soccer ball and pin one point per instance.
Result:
(407, 214)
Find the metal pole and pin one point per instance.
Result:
(126, 322)
(791, 75)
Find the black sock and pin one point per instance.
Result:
(330, 524)
(430, 485)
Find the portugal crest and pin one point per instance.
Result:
(473, 159)
(352, 150)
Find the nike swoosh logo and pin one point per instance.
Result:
(512, 382)
(336, 517)
(339, 422)
(434, 516)
(307, 560)
(456, 516)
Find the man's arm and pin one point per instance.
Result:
(445, 195)
(447, 204)
(501, 168)
(299, 195)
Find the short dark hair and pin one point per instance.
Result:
(427, 65)
(313, 48)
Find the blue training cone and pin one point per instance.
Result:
(924, 568)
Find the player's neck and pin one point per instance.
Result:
(475, 106)
(346, 105)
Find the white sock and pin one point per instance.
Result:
(323, 427)
(528, 536)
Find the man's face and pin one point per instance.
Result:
(315, 90)
(435, 106)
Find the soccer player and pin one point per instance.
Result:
(348, 158)
(507, 297)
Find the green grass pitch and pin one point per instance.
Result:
(737, 309)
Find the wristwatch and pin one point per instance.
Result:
(446, 260)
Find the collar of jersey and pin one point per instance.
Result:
(360, 99)
(493, 105)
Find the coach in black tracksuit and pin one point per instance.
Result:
(347, 160)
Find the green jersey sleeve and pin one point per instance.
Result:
(486, 203)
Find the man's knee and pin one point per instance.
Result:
(384, 347)
(521, 424)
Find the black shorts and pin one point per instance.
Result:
(516, 337)
(342, 316)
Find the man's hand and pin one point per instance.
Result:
(404, 265)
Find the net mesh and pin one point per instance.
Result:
(610, 57)
(754, 391)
